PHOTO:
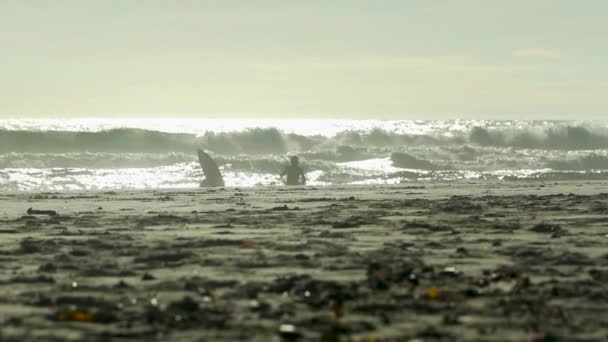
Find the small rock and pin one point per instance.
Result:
(147, 276)
(548, 228)
(288, 332)
(462, 250)
(48, 267)
(31, 211)
(450, 272)
(122, 285)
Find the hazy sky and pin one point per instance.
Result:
(403, 59)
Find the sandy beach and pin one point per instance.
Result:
(517, 261)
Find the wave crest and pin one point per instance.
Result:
(274, 141)
(552, 138)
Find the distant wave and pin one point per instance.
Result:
(584, 163)
(115, 140)
(92, 160)
(351, 145)
(407, 161)
(124, 140)
(551, 138)
(250, 141)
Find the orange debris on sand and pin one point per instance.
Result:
(246, 245)
(433, 293)
(75, 316)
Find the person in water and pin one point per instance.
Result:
(295, 174)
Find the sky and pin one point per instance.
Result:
(381, 59)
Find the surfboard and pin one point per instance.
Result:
(213, 176)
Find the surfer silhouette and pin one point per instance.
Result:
(295, 174)
(213, 176)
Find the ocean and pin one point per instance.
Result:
(105, 154)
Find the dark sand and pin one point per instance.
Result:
(475, 262)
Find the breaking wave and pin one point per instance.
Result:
(359, 152)
(592, 161)
(551, 136)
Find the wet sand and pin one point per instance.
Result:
(445, 262)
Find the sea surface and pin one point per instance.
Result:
(84, 154)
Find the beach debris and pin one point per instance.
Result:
(79, 252)
(261, 308)
(147, 276)
(460, 204)
(161, 219)
(372, 339)
(198, 287)
(450, 319)
(186, 312)
(508, 278)
(506, 273)
(281, 208)
(378, 276)
(76, 311)
(338, 307)
(450, 271)
(48, 267)
(352, 222)
(30, 246)
(163, 257)
(599, 275)
(75, 316)
(413, 279)
(31, 211)
(426, 225)
(186, 305)
(521, 282)
(33, 279)
(548, 228)
(535, 336)
(287, 283)
(462, 251)
(335, 332)
(471, 293)
(122, 285)
(246, 245)
(301, 256)
(288, 332)
(503, 272)
(345, 224)
(431, 333)
(435, 293)
(381, 275)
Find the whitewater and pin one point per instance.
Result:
(100, 154)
